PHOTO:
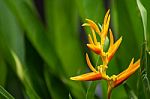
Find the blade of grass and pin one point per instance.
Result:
(24, 77)
(63, 29)
(145, 55)
(35, 32)
(6, 94)
(92, 10)
(62, 25)
(76, 89)
(55, 86)
(3, 71)
(70, 96)
(91, 90)
(10, 33)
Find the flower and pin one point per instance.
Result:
(98, 48)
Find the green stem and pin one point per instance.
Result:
(109, 90)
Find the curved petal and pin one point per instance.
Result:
(94, 26)
(127, 73)
(113, 49)
(88, 77)
(89, 63)
(94, 48)
(111, 40)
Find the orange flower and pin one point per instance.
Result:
(97, 47)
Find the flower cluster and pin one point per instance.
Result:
(98, 47)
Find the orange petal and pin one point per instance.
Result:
(113, 49)
(88, 77)
(89, 63)
(94, 48)
(93, 25)
(127, 73)
(90, 39)
(131, 63)
(94, 36)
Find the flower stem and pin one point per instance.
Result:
(109, 90)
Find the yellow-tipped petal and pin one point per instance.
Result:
(94, 36)
(112, 51)
(90, 39)
(93, 25)
(88, 77)
(94, 48)
(111, 39)
(106, 26)
(127, 73)
(85, 24)
(106, 16)
(131, 63)
(89, 63)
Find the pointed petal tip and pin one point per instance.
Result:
(108, 10)
(73, 78)
(85, 24)
(137, 63)
(120, 38)
(132, 61)
(87, 19)
(94, 48)
(88, 77)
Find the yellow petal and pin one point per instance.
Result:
(127, 73)
(89, 63)
(88, 77)
(112, 51)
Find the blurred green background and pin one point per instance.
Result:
(42, 44)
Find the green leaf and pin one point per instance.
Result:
(11, 34)
(91, 90)
(143, 16)
(30, 22)
(6, 94)
(144, 9)
(65, 37)
(75, 87)
(144, 81)
(3, 71)
(93, 10)
(70, 96)
(55, 86)
(24, 77)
